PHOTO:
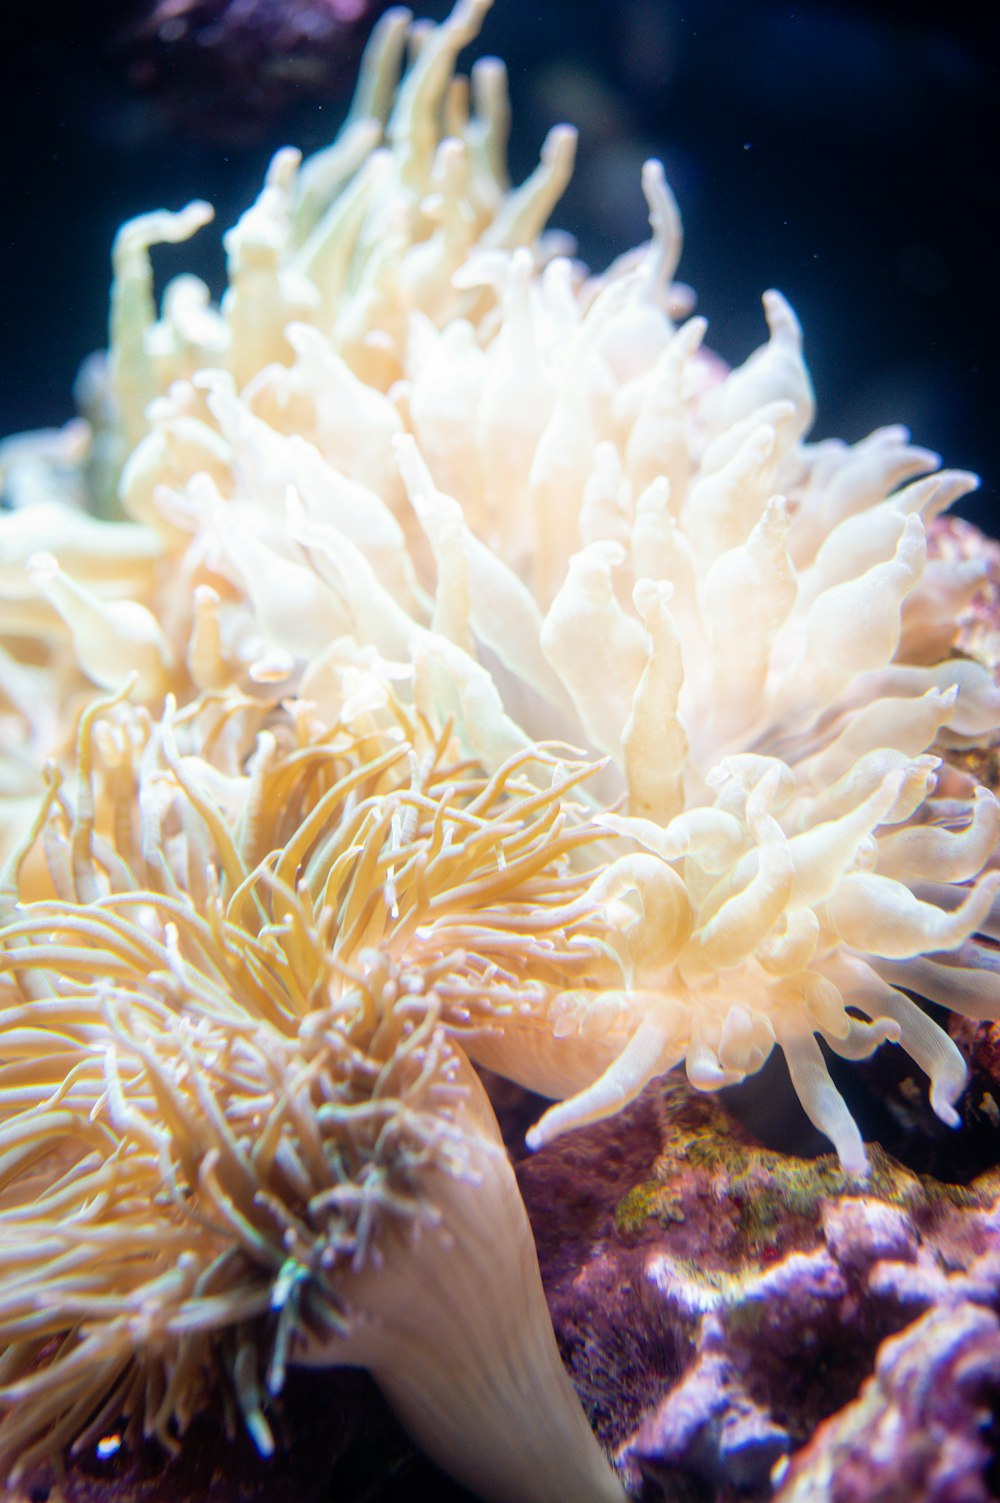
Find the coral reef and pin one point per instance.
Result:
(218, 70)
(432, 657)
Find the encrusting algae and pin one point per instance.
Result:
(495, 680)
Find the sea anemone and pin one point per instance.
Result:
(237, 1131)
(414, 425)
(495, 677)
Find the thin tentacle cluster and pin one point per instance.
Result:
(230, 1091)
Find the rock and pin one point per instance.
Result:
(720, 1316)
(920, 1430)
(225, 68)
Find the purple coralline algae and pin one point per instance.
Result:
(720, 1318)
(921, 1426)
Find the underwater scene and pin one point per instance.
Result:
(499, 753)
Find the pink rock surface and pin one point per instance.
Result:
(923, 1426)
(720, 1313)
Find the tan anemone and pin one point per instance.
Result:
(236, 1131)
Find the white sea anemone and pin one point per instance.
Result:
(414, 427)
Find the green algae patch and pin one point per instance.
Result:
(647, 1202)
(741, 1206)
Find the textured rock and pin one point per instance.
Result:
(921, 1427)
(717, 1314)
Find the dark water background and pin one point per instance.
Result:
(843, 152)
